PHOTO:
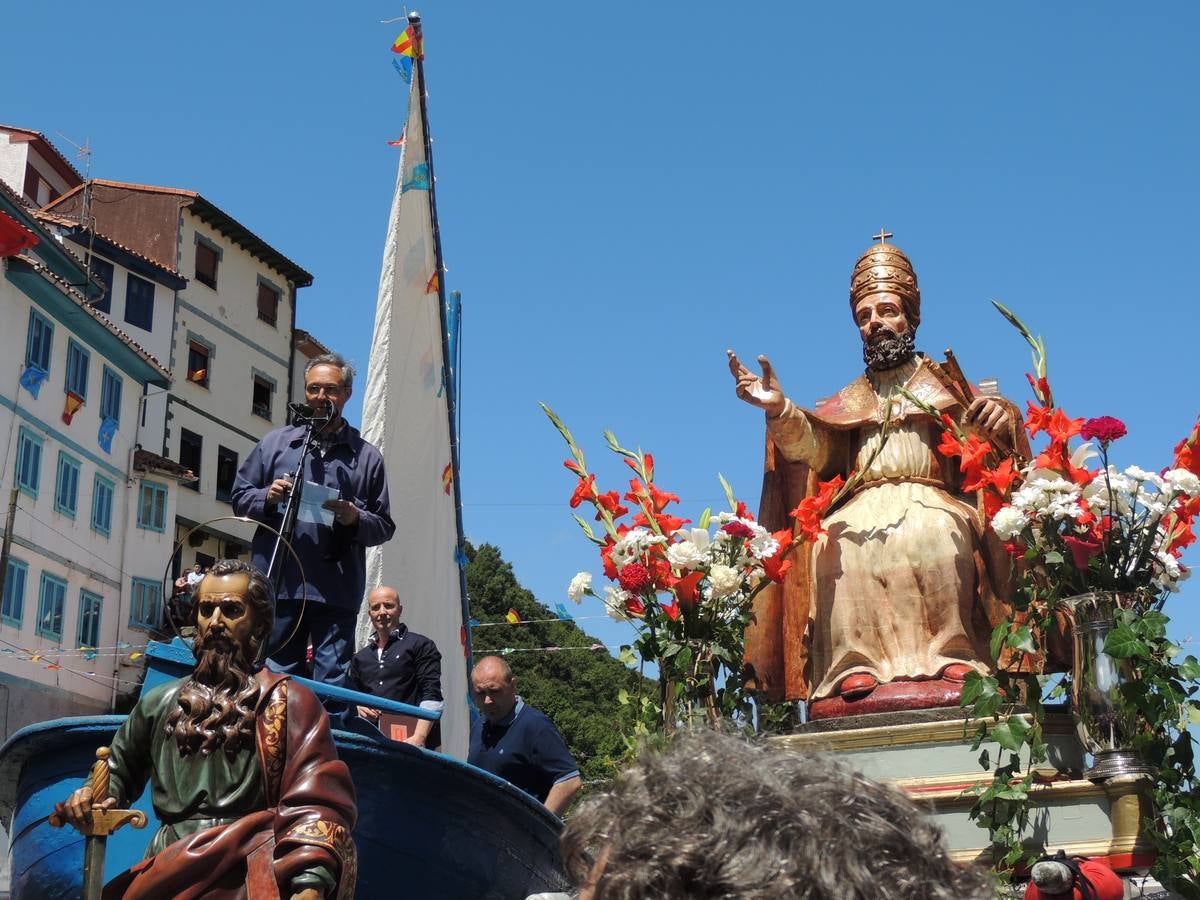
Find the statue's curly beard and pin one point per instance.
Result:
(885, 349)
(216, 706)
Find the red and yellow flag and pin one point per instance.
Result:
(71, 406)
(448, 477)
(409, 43)
(431, 286)
(513, 617)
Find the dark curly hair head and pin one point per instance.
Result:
(718, 817)
(216, 706)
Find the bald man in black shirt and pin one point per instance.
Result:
(400, 665)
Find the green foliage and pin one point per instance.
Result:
(580, 690)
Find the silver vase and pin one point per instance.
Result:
(1104, 726)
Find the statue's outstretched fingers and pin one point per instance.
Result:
(735, 364)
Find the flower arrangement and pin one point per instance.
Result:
(1084, 531)
(687, 591)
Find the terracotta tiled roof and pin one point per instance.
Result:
(218, 218)
(145, 461)
(100, 317)
(42, 231)
(38, 135)
(304, 341)
(69, 222)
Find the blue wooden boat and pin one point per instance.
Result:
(428, 824)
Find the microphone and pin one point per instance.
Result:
(301, 411)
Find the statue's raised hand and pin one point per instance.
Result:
(763, 390)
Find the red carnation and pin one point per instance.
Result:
(1104, 429)
(738, 529)
(634, 577)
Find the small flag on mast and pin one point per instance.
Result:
(513, 617)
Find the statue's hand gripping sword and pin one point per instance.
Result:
(103, 823)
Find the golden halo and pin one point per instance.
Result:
(248, 521)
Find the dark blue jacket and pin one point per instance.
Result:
(334, 558)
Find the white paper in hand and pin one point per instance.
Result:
(311, 499)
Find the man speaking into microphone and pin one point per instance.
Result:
(343, 510)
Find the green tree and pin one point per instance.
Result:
(580, 690)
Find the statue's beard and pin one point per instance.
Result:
(216, 706)
(885, 349)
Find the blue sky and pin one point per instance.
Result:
(624, 194)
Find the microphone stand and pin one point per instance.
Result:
(292, 509)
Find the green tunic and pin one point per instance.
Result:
(189, 793)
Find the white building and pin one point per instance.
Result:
(231, 345)
(33, 167)
(89, 527)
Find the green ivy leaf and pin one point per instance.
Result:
(1153, 625)
(1010, 734)
(1053, 557)
(998, 634)
(1021, 639)
(626, 656)
(1122, 643)
(1189, 669)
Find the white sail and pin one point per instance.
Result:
(406, 415)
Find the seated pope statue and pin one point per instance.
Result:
(894, 604)
(253, 802)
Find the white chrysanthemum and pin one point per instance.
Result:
(686, 555)
(1008, 522)
(635, 542)
(763, 545)
(614, 602)
(723, 581)
(580, 585)
(1140, 474)
(1182, 481)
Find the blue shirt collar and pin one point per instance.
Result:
(512, 716)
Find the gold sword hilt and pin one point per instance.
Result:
(104, 821)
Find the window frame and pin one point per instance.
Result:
(225, 455)
(60, 583)
(190, 438)
(27, 438)
(103, 304)
(277, 298)
(88, 598)
(67, 506)
(131, 282)
(45, 334)
(79, 360)
(110, 377)
(138, 590)
(111, 487)
(14, 566)
(256, 381)
(158, 493)
(203, 243)
(200, 349)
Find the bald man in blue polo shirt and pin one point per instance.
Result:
(517, 742)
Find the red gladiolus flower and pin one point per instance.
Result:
(777, 566)
(974, 452)
(1041, 389)
(610, 567)
(668, 524)
(1104, 429)
(742, 513)
(687, 588)
(738, 529)
(992, 502)
(585, 490)
(950, 445)
(808, 514)
(1002, 477)
(635, 607)
(672, 610)
(1061, 429)
(611, 501)
(634, 577)
(1081, 550)
(661, 498)
(1037, 418)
